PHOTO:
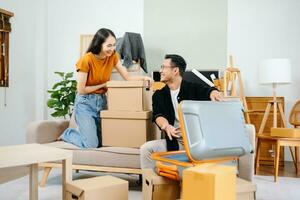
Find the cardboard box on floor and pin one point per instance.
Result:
(128, 96)
(156, 187)
(213, 181)
(127, 129)
(245, 190)
(101, 187)
(209, 181)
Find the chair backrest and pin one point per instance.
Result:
(213, 129)
(294, 117)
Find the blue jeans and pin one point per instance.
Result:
(87, 115)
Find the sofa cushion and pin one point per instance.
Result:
(105, 156)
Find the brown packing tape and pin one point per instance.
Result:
(125, 114)
(126, 84)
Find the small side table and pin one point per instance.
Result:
(32, 154)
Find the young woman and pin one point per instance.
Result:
(94, 70)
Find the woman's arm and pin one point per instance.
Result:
(122, 70)
(81, 84)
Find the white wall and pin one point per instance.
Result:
(195, 29)
(20, 95)
(260, 29)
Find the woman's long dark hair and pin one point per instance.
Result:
(99, 39)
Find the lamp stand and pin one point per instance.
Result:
(276, 104)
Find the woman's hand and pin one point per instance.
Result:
(148, 80)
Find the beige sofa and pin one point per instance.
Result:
(106, 159)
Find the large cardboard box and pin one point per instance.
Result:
(210, 182)
(101, 187)
(156, 187)
(128, 96)
(245, 190)
(126, 129)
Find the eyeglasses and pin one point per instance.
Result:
(164, 67)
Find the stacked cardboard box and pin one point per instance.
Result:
(127, 122)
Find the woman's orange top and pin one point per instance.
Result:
(99, 70)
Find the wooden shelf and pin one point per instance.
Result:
(6, 12)
(257, 107)
(5, 28)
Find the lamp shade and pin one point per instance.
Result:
(275, 70)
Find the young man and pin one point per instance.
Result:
(165, 106)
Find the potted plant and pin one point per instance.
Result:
(62, 95)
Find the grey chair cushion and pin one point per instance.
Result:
(105, 156)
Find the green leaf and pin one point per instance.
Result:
(56, 85)
(69, 75)
(51, 91)
(62, 95)
(61, 74)
(57, 114)
(55, 95)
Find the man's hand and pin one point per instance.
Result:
(171, 131)
(215, 95)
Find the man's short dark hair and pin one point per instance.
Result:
(177, 61)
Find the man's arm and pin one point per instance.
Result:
(165, 126)
(215, 95)
(160, 116)
(204, 92)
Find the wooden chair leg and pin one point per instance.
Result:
(293, 157)
(296, 158)
(277, 154)
(45, 176)
(257, 156)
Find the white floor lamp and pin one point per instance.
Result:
(274, 71)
